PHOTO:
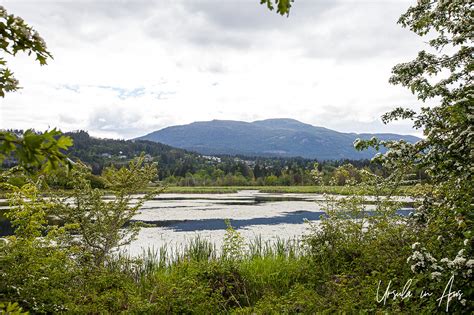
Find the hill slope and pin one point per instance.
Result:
(271, 137)
(99, 153)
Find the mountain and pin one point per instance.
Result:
(271, 137)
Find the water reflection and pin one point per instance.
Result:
(296, 217)
(175, 215)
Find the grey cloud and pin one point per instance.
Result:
(88, 20)
(231, 24)
(339, 30)
(215, 67)
(356, 29)
(110, 119)
(345, 31)
(249, 15)
(68, 119)
(124, 121)
(180, 25)
(348, 124)
(361, 31)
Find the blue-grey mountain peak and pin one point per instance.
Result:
(271, 137)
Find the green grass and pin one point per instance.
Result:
(203, 190)
(333, 269)
(198, 279)
(336, 190)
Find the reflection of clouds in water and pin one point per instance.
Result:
(182, 217)
(196, 211)
(297, 217)
(155, 238)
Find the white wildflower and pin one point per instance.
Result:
(470, 263)
(417, 256)
(24, 31)
(415, 245)
(459, 261)
(436, 267)
(18, 21)
(444, 260)
(466, 241)
(37, 37)
(430, 258)
(435, 275)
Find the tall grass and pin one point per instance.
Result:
(202, 250)
(282, 248)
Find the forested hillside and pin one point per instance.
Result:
(270, 137)
(180, 167)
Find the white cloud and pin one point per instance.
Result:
(125, 68)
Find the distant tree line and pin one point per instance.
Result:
(183, 168)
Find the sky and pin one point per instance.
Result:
(122, 69)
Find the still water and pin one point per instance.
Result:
(178, 218)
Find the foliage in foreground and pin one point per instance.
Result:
(17, 36)
(336, 267)
(354, 261)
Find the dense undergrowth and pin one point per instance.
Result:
(352, 261)
(337, 266)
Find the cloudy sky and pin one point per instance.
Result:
(125, 68)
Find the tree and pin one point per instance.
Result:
(282, 6)
(316, 174)
(17, 36)
(34, 150)
(443, 218)
(345, 174)
(31, 149)
(447, 150)
(104, 225)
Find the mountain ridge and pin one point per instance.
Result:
(279, 137)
